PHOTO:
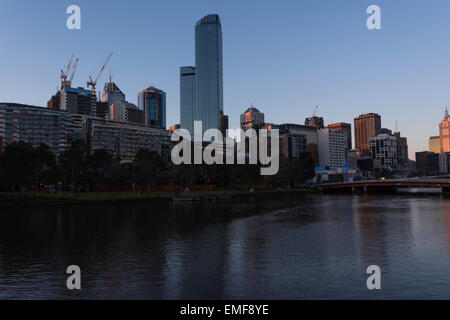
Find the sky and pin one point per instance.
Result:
(284, 57)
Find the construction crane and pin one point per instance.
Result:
(75, 65)
(315, 111)
(93, 83)
(66, 72)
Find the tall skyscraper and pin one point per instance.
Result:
(366, 126)
(209, 71)
(153, 102)
(444, 133)
(187, 98)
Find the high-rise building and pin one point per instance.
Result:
(444, 133)
(366, 126)
(299, 130)
(252, 118)
(209, 71)
(427, 163)
(112, 94)
(187, 98)
(333, 148)
(434, 144)
(315, 122)
(383, 149)
(123, 111)
(153, 102)
(79, 101)
(292, 145)
(347, 127)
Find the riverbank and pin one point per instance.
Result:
(32, 199)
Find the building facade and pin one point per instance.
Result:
(112, 94)
(366, 126)
(252, 118)
(153, 102)
(36, 126)
(209, 71)
(427, 163)
(434, 144)
(79, 101)
(123, 111)
(444, 133)
(383, 150)
(124, 140)
(333, 148)
(347, 127)
(187, 98)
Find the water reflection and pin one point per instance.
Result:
(309, 246)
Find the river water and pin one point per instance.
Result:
(275, 247)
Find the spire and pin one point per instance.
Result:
(446, 113)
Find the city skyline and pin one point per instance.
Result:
(324, 56)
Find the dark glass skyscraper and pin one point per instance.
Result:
(153, 102)
(209, 71)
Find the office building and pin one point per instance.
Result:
(434, 144)
(292, 146)
(366, 126)
(333, 148)
(36, 126)
(297, 129)
(112, 94)
(79, 101)
(209, 71)
(123, 111)
(153, 102)
(315, 122)
(347, 127)
(444, 133)
(187, 98)
(252, 118)
(383, 150)
(427, 163)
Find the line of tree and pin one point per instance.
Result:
(22, 167)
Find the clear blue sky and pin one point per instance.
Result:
(284, 57)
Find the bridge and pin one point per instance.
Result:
(391, 185)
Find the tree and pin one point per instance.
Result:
(17, 165)
(73, 162)
(44, 165)
(148, 167)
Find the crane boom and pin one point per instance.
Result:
(74, 70)
(92, 83)
(103, 68)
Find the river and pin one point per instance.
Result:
(307, 246)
